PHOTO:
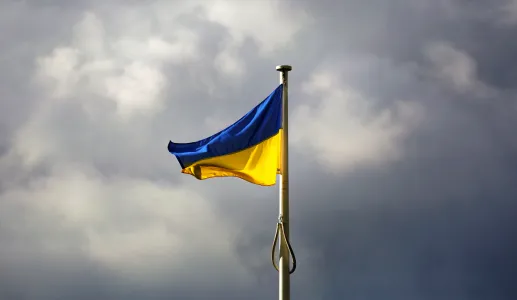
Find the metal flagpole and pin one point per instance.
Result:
(283, 264)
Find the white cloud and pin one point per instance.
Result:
(453, 65)
(341, 129)
(228, 62)
(273, 32)
(131, 226)
(272, 28)
(89, 35)
(121, 56)
(59, 71)
(33, 142)
(457, 68)
(136, 88)
(126, 69)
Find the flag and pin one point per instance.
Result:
(248, 149)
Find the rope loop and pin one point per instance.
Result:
(280, 230)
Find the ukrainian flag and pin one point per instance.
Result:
(249, 149)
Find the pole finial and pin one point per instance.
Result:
(284, 68)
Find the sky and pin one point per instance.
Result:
(403, 159)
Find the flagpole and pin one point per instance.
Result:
(284, 280)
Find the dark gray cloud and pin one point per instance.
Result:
(413, 99)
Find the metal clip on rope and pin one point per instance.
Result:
(280, 227)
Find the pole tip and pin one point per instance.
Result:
(284, 68)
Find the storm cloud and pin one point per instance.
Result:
(403, 155)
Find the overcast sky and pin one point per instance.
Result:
(403, 150)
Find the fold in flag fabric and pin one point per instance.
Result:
(248, 149)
